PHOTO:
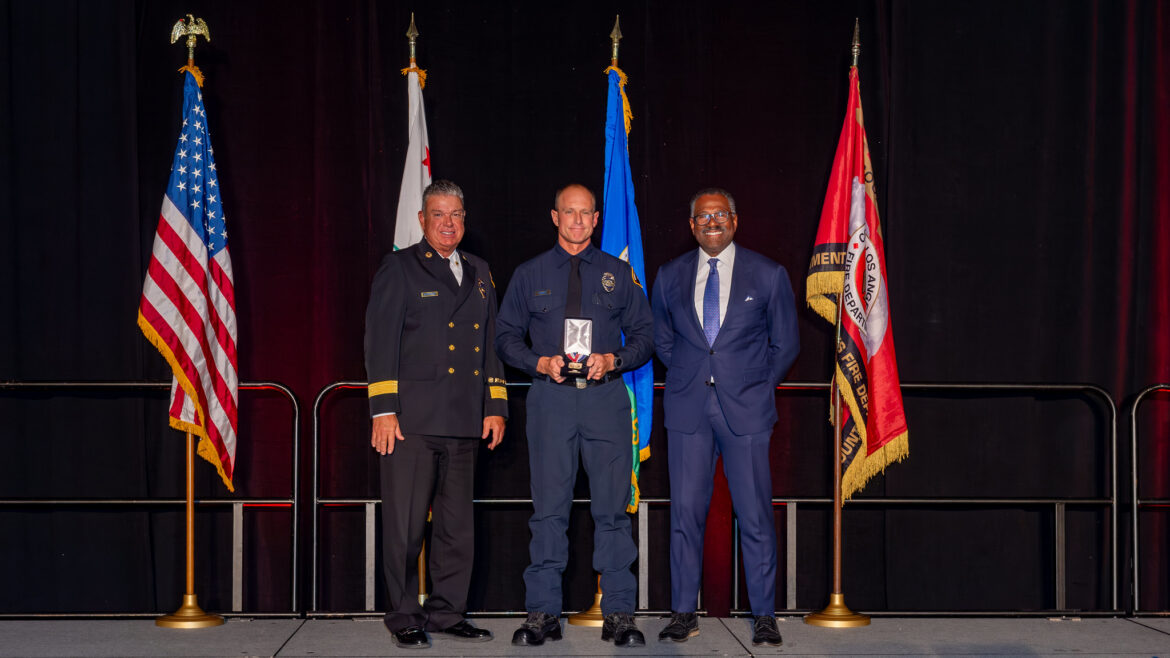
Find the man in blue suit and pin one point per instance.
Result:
(725, 327)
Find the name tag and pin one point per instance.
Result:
(429, 293)
(541, 293)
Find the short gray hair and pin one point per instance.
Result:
(441, 187)
(713, 190)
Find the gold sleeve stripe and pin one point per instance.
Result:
(383, 388)
(498, 392)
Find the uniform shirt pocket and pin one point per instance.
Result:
(546, 303)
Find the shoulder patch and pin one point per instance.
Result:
(635, 278)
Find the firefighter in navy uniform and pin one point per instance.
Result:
(568, 416)
(436, 387)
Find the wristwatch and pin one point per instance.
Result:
(617, 362)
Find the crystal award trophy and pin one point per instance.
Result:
(578, 346)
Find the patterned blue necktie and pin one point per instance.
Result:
(711, 304)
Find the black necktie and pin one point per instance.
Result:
(573, 301)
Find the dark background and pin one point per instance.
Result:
(1023, 168)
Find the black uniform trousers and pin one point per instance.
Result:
(419, 466)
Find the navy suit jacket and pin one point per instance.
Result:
(757, 342)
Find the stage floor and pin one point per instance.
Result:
(718, 637)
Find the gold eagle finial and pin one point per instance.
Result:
(191, 28)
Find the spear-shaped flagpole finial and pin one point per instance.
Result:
(856, 39)
(615, 37)
(412, 34)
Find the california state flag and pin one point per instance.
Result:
(416, 174)
(849, 267)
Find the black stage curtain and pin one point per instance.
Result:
(1021, 152)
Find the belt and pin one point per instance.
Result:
(576, 381)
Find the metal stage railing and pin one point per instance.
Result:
(238, 505)
(1138, 503)
(1059, 506)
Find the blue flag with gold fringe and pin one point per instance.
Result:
(621, 235)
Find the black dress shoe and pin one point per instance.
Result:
(466, 632)
(411, 637)
(539, 626)
(764, 631)
(683, 625)
(620, 627)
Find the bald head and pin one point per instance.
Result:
(577, 187)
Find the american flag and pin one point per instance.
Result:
(188, 308)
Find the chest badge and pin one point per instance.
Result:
(608, 281)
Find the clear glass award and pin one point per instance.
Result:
(578, 346)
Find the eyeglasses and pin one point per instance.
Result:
(706, 218)
(458, 215)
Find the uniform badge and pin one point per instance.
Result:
(479, 284)
(608, 281)
(428, 293)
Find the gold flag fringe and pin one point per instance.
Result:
(820, 284)
(205, 449)
(194, 70)
(422, 75)
(629, 114)
(858, 475)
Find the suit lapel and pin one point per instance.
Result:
(437, 266)
(691, 272)
(740, 274)
(468, 283)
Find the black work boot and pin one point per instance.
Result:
(620, 627)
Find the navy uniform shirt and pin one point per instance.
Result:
(611, 296)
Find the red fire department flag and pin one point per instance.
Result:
(849, 267)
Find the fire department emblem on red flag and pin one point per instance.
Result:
(847, 284)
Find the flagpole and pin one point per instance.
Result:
(837, 614)
(593, 616)
(412, 34)
(189, 614)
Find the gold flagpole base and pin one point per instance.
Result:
(837, 615)
(189, 615)
(592, 616)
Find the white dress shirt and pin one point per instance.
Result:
(725, 266)
(456, 267)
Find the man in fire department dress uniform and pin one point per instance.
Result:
(436, 388)
(570, 416)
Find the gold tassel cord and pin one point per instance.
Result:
(629, 114)
(194, 70)
(422, 75)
